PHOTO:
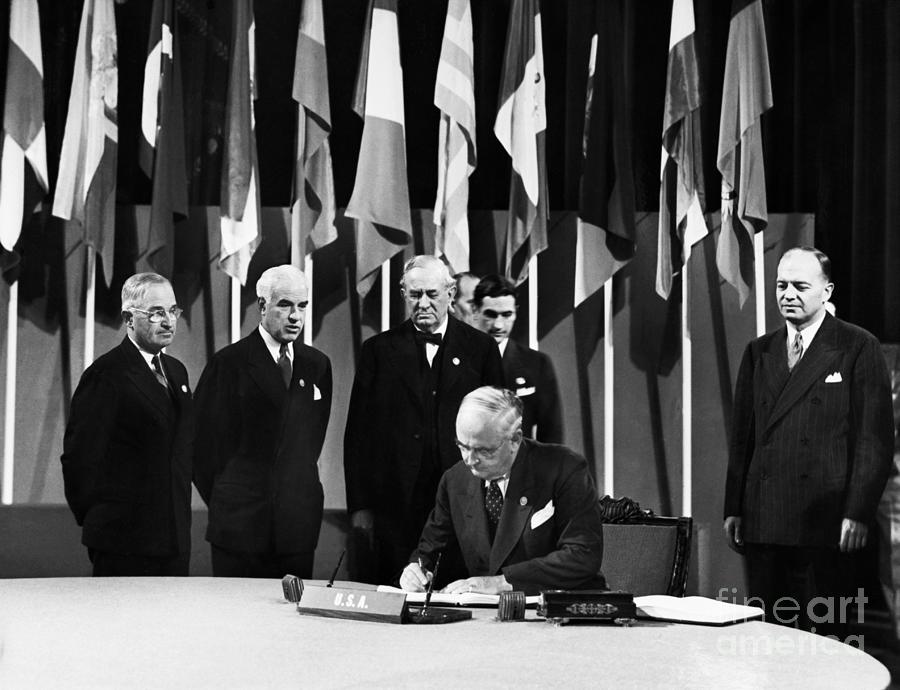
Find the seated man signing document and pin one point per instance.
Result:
(524, 514)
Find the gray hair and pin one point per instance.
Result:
(271, 277)
(135, 288)
(427, 261)
(502, 407)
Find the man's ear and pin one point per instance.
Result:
(261, 303)
(127, 317)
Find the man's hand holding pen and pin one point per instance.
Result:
(482, 585)
(415, 578)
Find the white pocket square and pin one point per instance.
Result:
(317, 394)
(541, 516)
(528, 390)
(834, 378)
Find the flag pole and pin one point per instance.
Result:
(308, 321)
(759, 270)
(533, 302)
(686, 400)
(608, 381)
(89, 304)
(235, 309)
(9, 426)
(385, 295)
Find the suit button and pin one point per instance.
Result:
(815, 401)
(763, 476)
(417, 436)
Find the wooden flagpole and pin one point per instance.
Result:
(9, 426)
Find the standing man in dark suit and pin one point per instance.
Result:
(127, 451)
(262, 410)
(811, 447)
(400, 436)
(525, 514)
(526, 372)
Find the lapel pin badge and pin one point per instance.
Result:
(455, 361)
(302, 383)
(523, 501)
(520, 380)
(184, 388)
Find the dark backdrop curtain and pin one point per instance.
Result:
(832, 145)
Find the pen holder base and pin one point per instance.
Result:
(432, 616)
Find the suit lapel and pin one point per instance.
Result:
(143, 378)
(517, 507)
(262, 368)
(476, 518)
(453, 354)
(404, 354)
(773, 361)
(808, 370)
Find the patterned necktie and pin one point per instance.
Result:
(795, 351)
(284, 363)
(493, 503)
(158, 372)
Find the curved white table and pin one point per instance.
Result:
(234, 633)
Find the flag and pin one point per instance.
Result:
(606, 233)
(312, 202)
(681, 193)
(380, 199)
(239, 203)
(162, 144)
(746, 95)
(86, 184)
(521, 126)
(24, 136)
(454, 95)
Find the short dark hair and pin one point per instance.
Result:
(821, 257)
(493, 285)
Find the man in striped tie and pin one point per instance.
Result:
(811, 448)
(263, 405)
(524, 514)
(127, 452)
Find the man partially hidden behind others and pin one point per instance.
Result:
(262, 410)
(810, 450)
(524, 514)
(127, 451)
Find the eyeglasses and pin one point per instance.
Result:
(157, 315)
(479, 452)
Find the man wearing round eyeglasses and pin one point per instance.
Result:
(399, 435)
(263, 405)
(524, 514)
(128, 445)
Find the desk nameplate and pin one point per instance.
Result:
(354, 604)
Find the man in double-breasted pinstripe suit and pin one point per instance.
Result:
(810, 451)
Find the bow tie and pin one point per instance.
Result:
(433, 338)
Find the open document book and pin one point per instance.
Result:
(462, 599)
(694, 610)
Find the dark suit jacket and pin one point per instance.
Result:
(258, 445)
(811, 447)
(386, 420)
(529, 374)
(127, 456)
(550, 533)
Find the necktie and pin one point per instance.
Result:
(433, 338)
(284, 363)
(795, 351)
(158, 372)
(493, 503)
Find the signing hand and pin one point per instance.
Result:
(414, 578)
(481, 585)
(853, 535)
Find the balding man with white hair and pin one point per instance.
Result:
(399, 437)
(523, 513)
(263, 405)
